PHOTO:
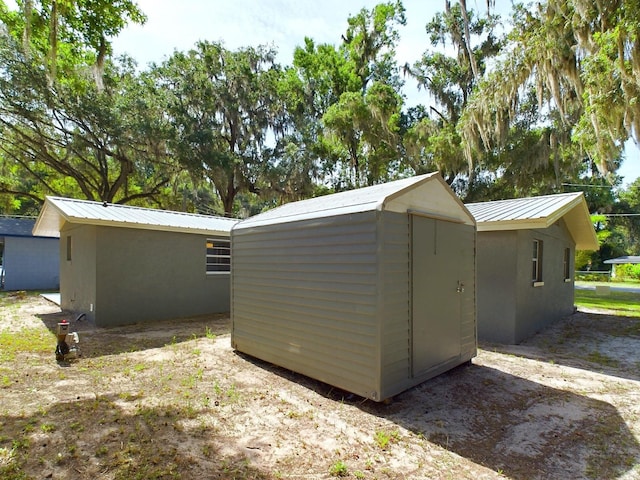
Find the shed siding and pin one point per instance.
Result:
(304, 296)
(146, 275)
(468, 301)
(395, 274)
(31, 263)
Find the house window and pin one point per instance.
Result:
(68, 248)
(567, 264)
(536, 273)
(218, 255)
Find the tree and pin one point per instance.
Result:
(353, 102)
(628, 216)
(222, 106)
(70, 34)
(583, 59)
(370, 41)
(362, 132)
(433, 142)
(56, 140)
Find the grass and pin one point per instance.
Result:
(28, 340)
(620, 303)
(383, 438)
(339, 469)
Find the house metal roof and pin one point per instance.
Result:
(538, 212)
(16, 227)
(57, 211)
(427, 193)
(625, 259)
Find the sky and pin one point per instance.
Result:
(284, 24)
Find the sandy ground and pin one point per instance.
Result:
(173, 400)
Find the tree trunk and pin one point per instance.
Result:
(53, 41)
(467, 40)
(26, 34)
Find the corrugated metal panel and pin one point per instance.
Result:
(531, 208)
(57, 210)
(352, 201)
(538, 212)
(304, 296)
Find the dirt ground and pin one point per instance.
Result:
(173, 400)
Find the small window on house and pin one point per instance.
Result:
(218, 255)
(567, 264)
(536, 274)
(68, 248)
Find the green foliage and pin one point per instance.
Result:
(29, 340)
(383, 438)
(627, 271)
(91, 143)
(339, 469)
(221, 108)
(68, 36)
(435, 143)
(576, 56)
(621, 303)
(220, 131)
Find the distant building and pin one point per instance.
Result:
(29, 262)
(627, 259)
(121, 264)
(525, 262)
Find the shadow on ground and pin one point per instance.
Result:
(512, 425)
(506, 423)
(96, 342)
(104, 437)
(595, 342)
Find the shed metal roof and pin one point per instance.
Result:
(538, 212)
(427, 193)
(16, 227)
(57, 211)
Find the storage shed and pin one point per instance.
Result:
(122, 264)
(28, 262)
(370, 290)
(525, 260)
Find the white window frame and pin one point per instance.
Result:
(218, 256)
(536, 258)
(566, 264)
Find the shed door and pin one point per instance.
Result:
(442, 270)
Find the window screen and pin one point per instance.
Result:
(567, 264)
(536, 274)
(218, 255)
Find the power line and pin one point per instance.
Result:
(585, 185)
(617, 214)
